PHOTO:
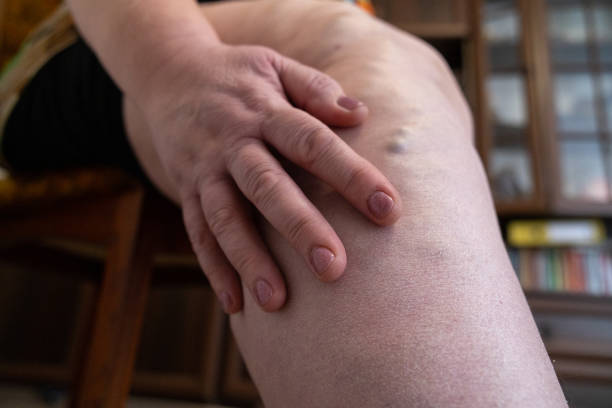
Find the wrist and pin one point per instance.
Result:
(135, 38)
(170, 60)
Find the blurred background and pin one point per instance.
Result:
(538, 75)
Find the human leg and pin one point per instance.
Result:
(429, 312)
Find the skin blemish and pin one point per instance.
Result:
(400, 140)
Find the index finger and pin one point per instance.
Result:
(313, 146)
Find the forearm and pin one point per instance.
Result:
(135, 39)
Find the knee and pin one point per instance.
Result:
(346, 32)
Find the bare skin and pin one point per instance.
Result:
(429, 312)
(215, 111)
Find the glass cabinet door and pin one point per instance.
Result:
(548, 92)
(510, 159)
(579, 38)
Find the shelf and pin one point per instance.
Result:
(530, 206)
(569, 303)
(582, 349)
(584, 370)
(435, 30)
(509, 136)
(562, 208)
(581, 208)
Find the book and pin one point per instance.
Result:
(575, 270)
(540, 233)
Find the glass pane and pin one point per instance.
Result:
(582, 171)
(575, 103)
(603, 29)
(608, 156)
(606, 85)
(507, 100)
(502, 32)
(510, 170)
(501, 21)
(603, 21)
(503, 55)
(567, 31)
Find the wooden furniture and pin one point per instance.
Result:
(427, 19)
(237, 384)
(98, 206)
(130, 232)
(547, 90)
(17, 18)
(94, 221)
(181, 353)
(105, 208)
(577, 332)
(538, 75)
(544, 126)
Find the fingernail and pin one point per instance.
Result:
(226, 302)
(263, 292)
(349, 103)
(321, 259)
(380, 204)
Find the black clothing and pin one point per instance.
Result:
(69, 115)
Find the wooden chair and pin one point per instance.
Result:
(101, 207)
(107, 208)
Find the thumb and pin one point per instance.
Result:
(320, 95)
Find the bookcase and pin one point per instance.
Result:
(544, 128)
(565, 267)
(564, 270)
(546, 94)
(538, 76)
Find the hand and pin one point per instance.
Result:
(213, 113)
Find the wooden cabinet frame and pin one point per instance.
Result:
(528, 53)
(542, 135)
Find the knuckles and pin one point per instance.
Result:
(220, 220)
(260, 178)
(246, 261)
(297, 228)
(355, 180)
(311, 144)
(262, 181)
(318, 84)
(323, 83)
(261, 60)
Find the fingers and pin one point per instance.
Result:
(237, 236)
(313, 146)
(220, 274)
(265, 183)
(320, 95)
